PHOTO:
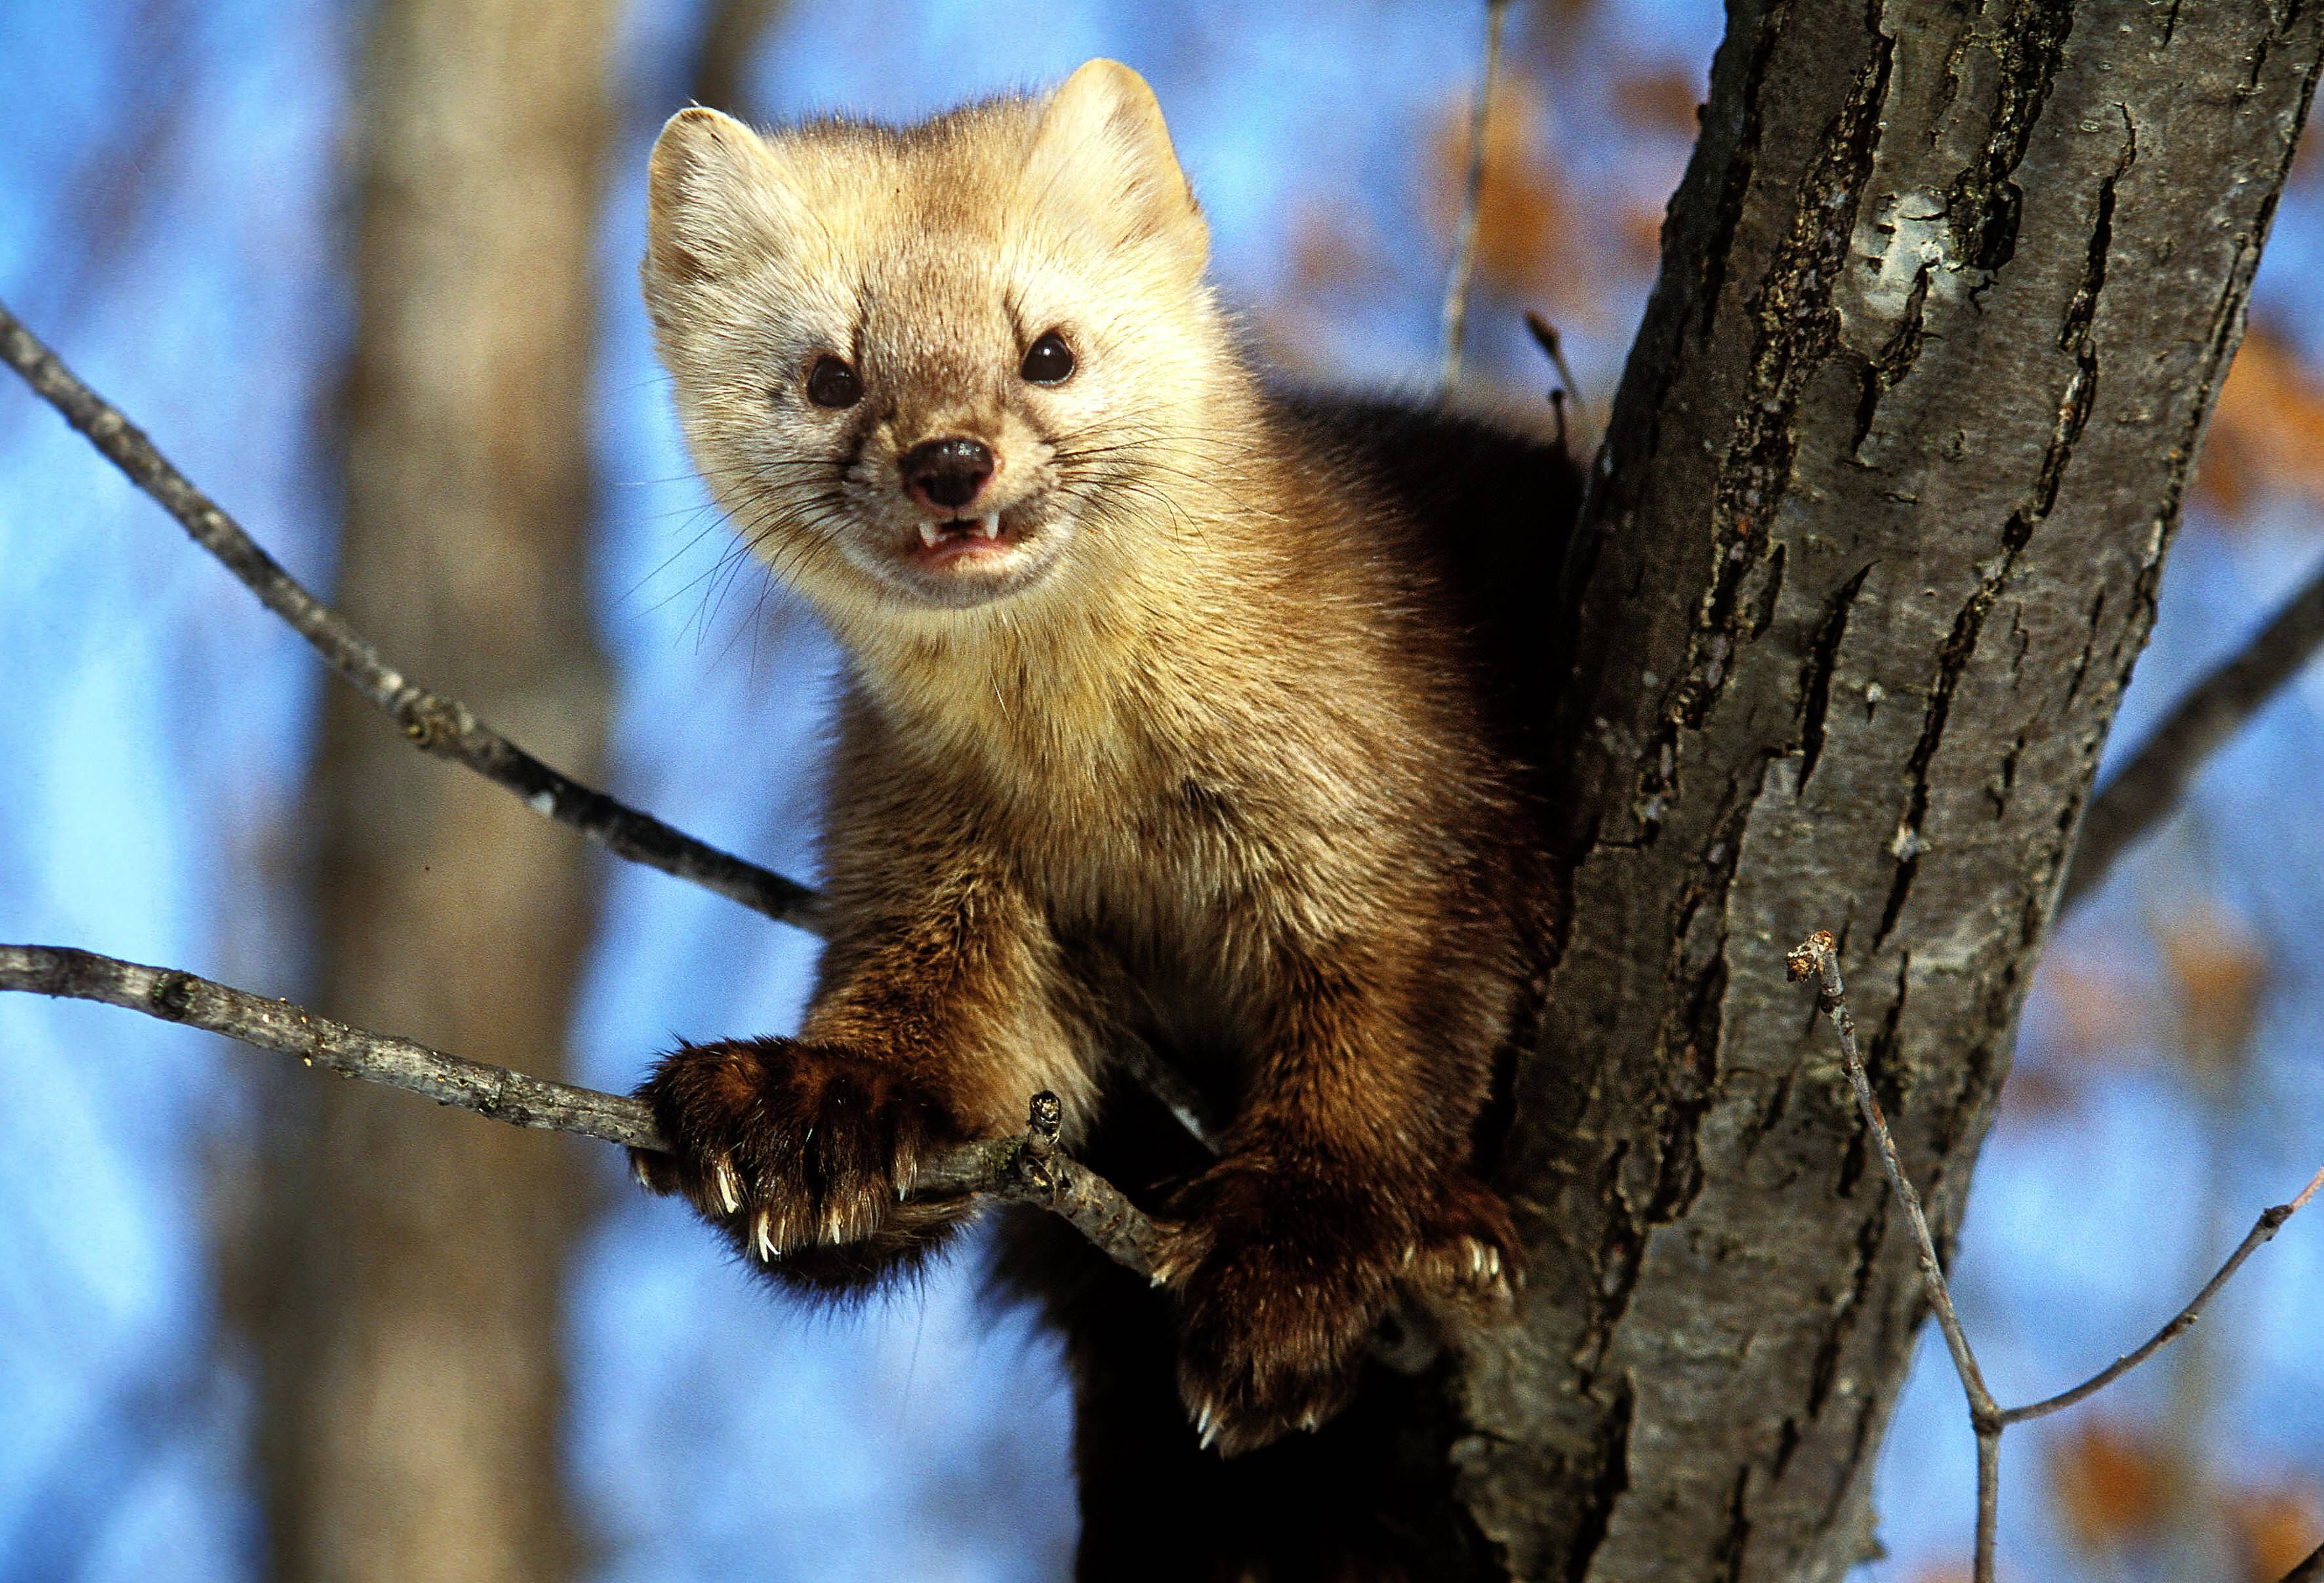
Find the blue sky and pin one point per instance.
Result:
(154, 726)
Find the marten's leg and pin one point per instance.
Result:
(1364, 1500)
(940, 1012)
(1155, 1507)
(1346, 1176)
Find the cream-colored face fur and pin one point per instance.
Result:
(926, 262)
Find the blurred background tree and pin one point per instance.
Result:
(402, 1285)
(190, 209)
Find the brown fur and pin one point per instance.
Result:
(1219, 747)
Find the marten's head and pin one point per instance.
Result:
(927, 369)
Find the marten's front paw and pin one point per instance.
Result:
(1280, 1286)
(800, 1153)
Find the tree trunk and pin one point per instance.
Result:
(1945, 298)
(410, 1371)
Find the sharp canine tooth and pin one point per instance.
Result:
(928, 534)
(993, 524)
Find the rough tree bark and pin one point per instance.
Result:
(408, 1306)
(1945, 297)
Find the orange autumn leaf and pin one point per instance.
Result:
(2088, 1007)
(1541, 242)
(2220, 970)
(1641, 234)
(2275, 1529)
(1331, 251)
(2084, 1014)
(1664, 100)
(2035, 1095)
(2267, 432)
(2307, 165)
(1525, 228)
(2110, 1483)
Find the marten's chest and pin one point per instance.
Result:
(1197, 810)
(1155, 852)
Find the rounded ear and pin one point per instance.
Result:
(1101, 159)
(716, 197)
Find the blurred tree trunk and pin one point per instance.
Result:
(410, 1335)
(1945, 298)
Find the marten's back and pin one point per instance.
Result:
(1492, 511)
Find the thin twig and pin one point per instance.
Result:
(1033, 1169)
(435, 723)
(1818, 957)
(731, 34)
(1545, 336)
(1464, 240)
(2138, 796)
(2263, 1230)
(1028, 1169)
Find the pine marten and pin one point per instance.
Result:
(1181, 714)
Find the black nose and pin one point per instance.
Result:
(947, 473)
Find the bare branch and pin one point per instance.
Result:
(289, 1029)
(730, 38)
(435, 723)
(1026, 1169)
(1029, 1169)
(1032, 1169)
(2263, 1230)
(1818, 957)
(1464, 240)
(2214, 709)
(448, 727)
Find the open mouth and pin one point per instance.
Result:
(959, 561)
(968, 539)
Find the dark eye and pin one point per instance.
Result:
(1048, 361)
(833, 383)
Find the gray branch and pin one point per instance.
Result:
(2214, 709)
(1029, 1169)
(731, 35)
(1818, 957)
(445, 725)
(2271, 1220)
(1464, 240)
(435, 723)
